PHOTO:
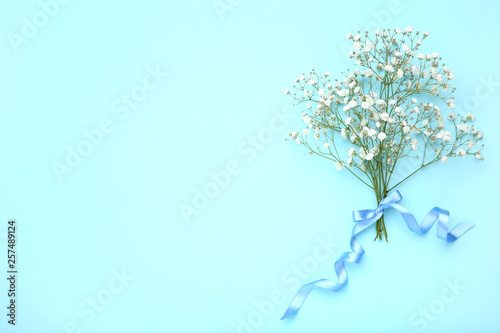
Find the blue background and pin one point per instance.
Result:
(281, 219)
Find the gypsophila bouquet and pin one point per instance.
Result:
(384, 111)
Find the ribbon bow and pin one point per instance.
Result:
(364, 219)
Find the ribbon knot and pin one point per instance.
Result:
(364, 219)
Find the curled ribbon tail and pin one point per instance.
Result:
(351, 257)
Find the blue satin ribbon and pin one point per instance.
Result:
(366, 218)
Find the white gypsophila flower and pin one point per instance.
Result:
(351, 151)
(421, 56)
(321, 92)
(343, 92)
(348, 36)
(349, 162)
(433, 72)
(478, 155)
(297, 140)
(339, 165)
(461, 152)
(381, 136)
(348, 120)
(363, 132)
(400, 73)
(452, 116)
(406, 129)
(470, 117)
(326, 145)
(414, 144)
(305, 131)
(369, 156)
(470, 144)
(479, 135)
(368, 46)
(384, 116)
(287, 91)
(357, 37)
(463, 128)
(343, 133)
(362, 153)
(357, 46)
(445, 135)
(414, 100)
(399, 111)
(326, 74)
(389, 68)
(308, 106)
(444, 158)
(451, 104)
(312, 82)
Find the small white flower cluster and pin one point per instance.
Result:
(385, 109)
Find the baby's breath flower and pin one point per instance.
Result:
(470, 117)
(463, 128)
